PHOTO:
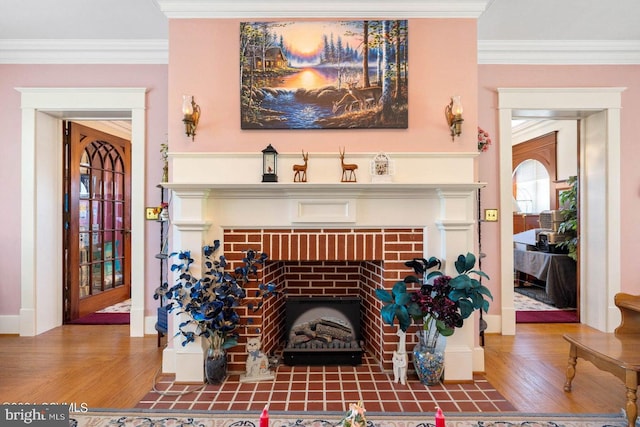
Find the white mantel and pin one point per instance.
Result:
(213, 191)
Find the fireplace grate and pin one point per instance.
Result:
(323, 331)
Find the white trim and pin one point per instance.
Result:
(84, 51)
(559, 52)
(9, 324)
(156, 51)
(598, 314)
(67, 101)
(186, 9)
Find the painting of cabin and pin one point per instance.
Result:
(323, 75)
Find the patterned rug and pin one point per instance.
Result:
(529, 298)
(132, 418)
(121, 307)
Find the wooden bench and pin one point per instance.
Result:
(617, 352)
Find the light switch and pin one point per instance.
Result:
(491, 215)
(152, 213)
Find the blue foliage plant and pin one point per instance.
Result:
(210, 303)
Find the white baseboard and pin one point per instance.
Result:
(10, 324)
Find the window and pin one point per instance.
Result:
(531, 184)
(534, 174)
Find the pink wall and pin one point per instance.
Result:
(492, 77)
(204, 62)
(152, 77)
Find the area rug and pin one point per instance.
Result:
(121, 307)
(103, 319)
(547, 316)
(535, 293)
(133, 418)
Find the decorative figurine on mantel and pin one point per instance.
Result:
(269, 164)
(257, 363)
(382, 168)
(301, 170)
(348, 169)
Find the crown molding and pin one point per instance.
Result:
(185, 9)
(84, 51)
(156, 51)
(561, 52)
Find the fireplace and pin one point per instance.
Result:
(373, 228)
(322, 331)
(327, 264)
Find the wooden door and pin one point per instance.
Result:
(98, 221)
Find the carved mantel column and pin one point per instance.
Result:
(457, 233)
(189, 228)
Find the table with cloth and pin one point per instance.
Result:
(558, 271)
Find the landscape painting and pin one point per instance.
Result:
(324, 75)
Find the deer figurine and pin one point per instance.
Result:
(301, 170)
(348, 169)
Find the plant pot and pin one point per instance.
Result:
(428, 357)
(215, 366)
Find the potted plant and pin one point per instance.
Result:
(210, 303)
(569, 212)
(441, 303)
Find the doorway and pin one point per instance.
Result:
(545, 160)
(599, 111)
(43, 110)
(97, 249)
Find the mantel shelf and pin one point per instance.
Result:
(346, 189)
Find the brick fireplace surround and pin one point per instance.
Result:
(327, 238)
(328, 262)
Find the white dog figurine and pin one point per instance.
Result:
(400, 367)
(257, 363)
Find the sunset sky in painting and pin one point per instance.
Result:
(306, 38)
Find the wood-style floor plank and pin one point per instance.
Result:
(529, 370)
(102, 367)
(98, 365)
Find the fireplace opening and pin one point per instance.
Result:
(322, 331)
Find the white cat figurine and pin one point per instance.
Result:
(257, 361)
(400, 367)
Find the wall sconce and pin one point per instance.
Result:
(453, 112)
(191, 112)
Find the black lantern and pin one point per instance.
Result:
(269, 164)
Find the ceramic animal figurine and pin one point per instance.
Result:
(402, 343)
(301, 170)
(348, 169)
(257, 364)
(400, 361)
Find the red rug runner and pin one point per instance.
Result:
(103, 319)
(547, 316)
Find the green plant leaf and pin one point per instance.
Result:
(388, 313)
(384, 296)
(404, 320)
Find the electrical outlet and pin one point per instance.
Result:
(153, 213)
(491, 215)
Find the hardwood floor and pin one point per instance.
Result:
(102, 367)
